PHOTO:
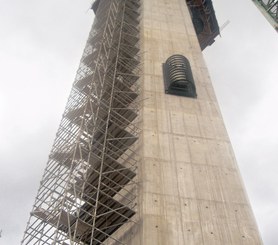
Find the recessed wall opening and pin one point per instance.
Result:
(178, 78)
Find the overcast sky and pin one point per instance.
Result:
(41, 43)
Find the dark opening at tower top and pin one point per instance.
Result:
(204, 21)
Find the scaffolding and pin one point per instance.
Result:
(89, 187)
(269, 8)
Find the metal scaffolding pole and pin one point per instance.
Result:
(269, 9)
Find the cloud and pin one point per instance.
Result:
(41, 45)
(243, 68)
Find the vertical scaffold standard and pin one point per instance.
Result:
(88, 191)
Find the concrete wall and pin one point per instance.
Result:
(190, 190)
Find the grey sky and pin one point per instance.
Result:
(41, 45)
(243, 65)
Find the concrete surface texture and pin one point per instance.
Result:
(190, 189)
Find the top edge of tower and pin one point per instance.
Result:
(203, 18)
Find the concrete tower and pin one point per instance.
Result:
(142, 156)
